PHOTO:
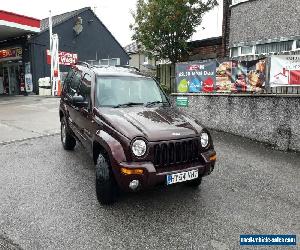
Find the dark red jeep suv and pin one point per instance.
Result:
(136, 137)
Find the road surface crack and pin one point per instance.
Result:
(28, 139)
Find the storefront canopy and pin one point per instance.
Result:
(14, 25)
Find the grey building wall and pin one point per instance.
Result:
(270, 119)
(94, 42)
(264, 19)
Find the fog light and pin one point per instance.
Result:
(134, 184)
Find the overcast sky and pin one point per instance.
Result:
(115, 14)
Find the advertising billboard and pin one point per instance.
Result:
(241, 76)
(285, 70)
(194, 77)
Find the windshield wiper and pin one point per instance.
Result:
(148, 104)
(128, 104)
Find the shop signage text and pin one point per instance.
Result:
(195, 76)
(11, 53)
(65, 58)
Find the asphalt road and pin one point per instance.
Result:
(48, 201)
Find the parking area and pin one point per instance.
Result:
(26, 117)
(48, 198)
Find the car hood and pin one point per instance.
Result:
(154, 124)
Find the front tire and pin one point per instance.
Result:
(66, 137)
(106, 186)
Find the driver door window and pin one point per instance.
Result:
(74, 84)
(84, 90)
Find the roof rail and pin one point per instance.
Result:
(83, 64)
(128, 67)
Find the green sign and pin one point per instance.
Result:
(182, 101)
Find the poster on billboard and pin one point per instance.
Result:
(285, 70)
(243, 76)
(195, 77)
(224, 81)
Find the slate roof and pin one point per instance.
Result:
(60, 18)
(132, 48)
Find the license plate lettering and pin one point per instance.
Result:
(182, 177)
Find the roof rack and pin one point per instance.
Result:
(83, 64)
(105, 66)
(127, 67)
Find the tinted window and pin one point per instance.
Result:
(66, 86)
(74, 83)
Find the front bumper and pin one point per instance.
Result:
(152, 176)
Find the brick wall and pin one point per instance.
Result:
(226, 28)
(207, 52)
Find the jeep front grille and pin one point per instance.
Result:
(169, 153)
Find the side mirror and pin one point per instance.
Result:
(79, 101)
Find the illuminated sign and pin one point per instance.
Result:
(12, 53)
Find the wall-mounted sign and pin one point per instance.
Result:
(285, 70)
(65, 58)
(182, 101)
(196, 77)
(234, 76)
(12, 53)
(235, 2)
(28, 83)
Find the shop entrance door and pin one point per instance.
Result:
(11, 79)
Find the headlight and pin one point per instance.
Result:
(139, 147)
(204, 139)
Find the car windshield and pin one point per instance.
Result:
(120, 91)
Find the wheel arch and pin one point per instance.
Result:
(98, 148)
(61, 114)
(110, 147)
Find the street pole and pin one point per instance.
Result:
(54, 53)
(51, 52)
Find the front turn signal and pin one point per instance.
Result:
(128, 171)
(213, 158)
